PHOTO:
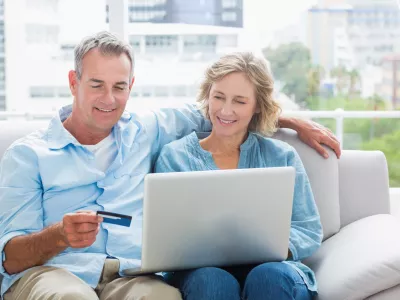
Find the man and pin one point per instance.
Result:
(93, 156)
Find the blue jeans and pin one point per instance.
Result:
(267, 281)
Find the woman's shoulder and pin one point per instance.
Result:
(180, 144)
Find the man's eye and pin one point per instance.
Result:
(95, 86)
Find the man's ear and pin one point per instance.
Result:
(73, 82)
(131, 83)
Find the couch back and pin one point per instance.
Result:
(323, 173)
(324, 178)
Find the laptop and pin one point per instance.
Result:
(215, 218)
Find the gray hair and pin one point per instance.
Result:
(107, 43)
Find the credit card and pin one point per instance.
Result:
(113, 218)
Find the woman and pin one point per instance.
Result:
(236, 96)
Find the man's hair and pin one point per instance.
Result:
(107, 43)
(257, 71)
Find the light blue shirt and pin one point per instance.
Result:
(49, 173)
(187, 155)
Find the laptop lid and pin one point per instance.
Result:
(216, 218)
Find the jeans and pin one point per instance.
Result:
(273, 280)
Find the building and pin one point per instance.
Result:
(170, 58)
(371, 28)
(227, 13)
(389, 87)
(2, 60)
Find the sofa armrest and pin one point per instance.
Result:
(361, 260)
(363, 185)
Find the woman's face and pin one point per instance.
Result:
(232, 104)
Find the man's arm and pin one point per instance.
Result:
(175, 123)
(77, 230)
(26, 251)
(24, 242)
(312, 134)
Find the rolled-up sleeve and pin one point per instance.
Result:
(175, 123)
(306, 229)
(20, 196)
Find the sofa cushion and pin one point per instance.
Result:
(359, 261)
(389, 294)
(363, 178)
(14, 129)
(324, 178)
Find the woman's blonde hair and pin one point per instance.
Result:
(256, 69)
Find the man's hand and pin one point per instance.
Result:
(313, 134)
(79, 230)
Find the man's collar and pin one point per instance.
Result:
(58, 137)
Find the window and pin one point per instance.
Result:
(229, 3)
(135, 41)
(161, 91)
(67, 51)
(199, 43)
(229, 16)
(147, 91)
(161, 44)
(179, 91)
(41, 34)
(227, 41)
(147, 15)
(42, 92)
(42, 5)
(64, 92)
(146, 3)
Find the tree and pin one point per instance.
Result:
(314, 77)
(390, 145)
(341, 75)
(290, 64)
(354, 81)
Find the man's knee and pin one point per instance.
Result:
(74, 295)
(51, 283)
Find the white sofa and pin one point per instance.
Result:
(360, 255)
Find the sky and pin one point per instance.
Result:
(274, 14)
(266, 16)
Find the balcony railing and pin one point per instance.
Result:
(339, 115)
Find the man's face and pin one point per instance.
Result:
(102, 91)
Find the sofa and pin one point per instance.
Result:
(360, 255)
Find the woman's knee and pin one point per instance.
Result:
(208, 283)
(275, 281)
(274, 273)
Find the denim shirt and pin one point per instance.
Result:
(306, 234)
(49, 173)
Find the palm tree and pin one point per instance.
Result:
(314, 76)
(354, 81)
(342, 79)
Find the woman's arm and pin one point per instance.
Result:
(306, 229)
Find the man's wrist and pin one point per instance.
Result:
(60, 236)
(286, 122)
